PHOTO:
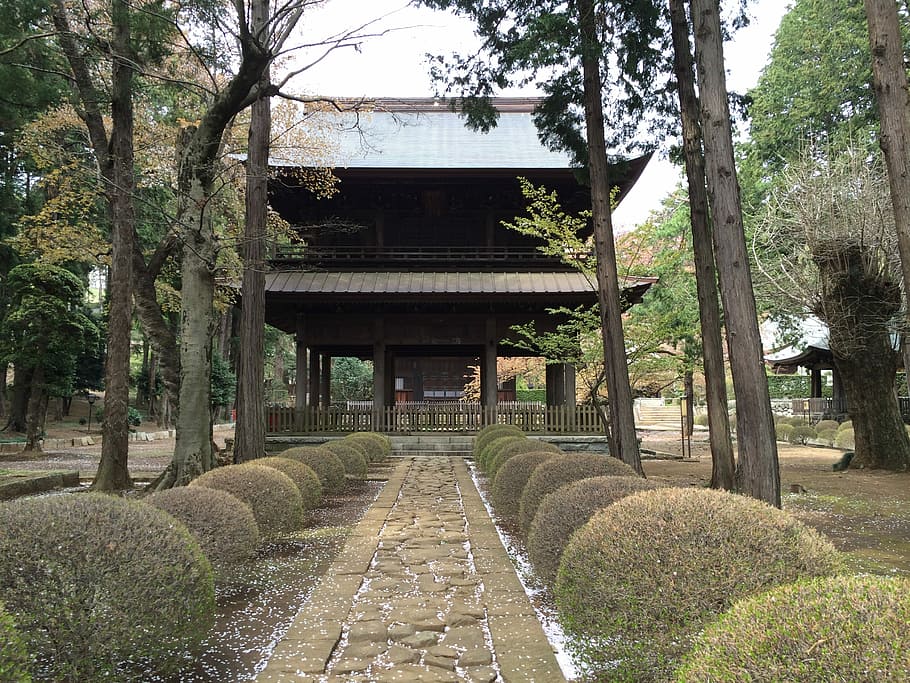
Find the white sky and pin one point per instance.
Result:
(394, 65)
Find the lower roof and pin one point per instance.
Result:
(380, 284)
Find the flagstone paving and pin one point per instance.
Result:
(423, 591)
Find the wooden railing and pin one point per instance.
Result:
(301, 254)
(410, 418)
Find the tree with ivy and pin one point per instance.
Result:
(44, 332)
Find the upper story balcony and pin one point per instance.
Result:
(500, 258)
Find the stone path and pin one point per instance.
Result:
(423, 591)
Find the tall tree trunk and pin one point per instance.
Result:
(193, 453)
(18, 408)
(249, 438)
(154, 406)
(757, 472)
(37, 411)
(3, 370)
(722, 461)
(624, 440)
(889, 80)
(113, 473)
(142, 389)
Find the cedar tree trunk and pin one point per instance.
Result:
(722, 462)
(37, 411)
(624, 441)
(757, 473)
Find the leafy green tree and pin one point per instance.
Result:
(352, 379)
(44, 332)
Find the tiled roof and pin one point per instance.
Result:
(421, 133)
(433, 283)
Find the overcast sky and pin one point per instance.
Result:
(394, 65)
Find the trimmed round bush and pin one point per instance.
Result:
(375, 447)
(569, 508)
(491, 450)
(354, 461)
(272, 496)
(516, 448)
(511, 479)
(845, 439)
(13, 656)
(847, 424)
(827, 436)
(824, 425)
(327, 466)
(102, 587)
(802, 434)
(783, 430)
(701, 419)
(304, 477)
(222, 524)
(491, 433)
(641, 579)
(561, 470)
(844, 628)
(798, 421)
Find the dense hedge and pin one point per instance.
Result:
(304, 477)
(783, 430)
(845, 628)
(511, 480)
(492, 448)
(376, 447)
(13, 655)
(642, 578)
(492, 432)
(221, 523)
(102, 588)
(845, 439)
(562, 470)
(517, 448)
(802, 435)
(569, 508)
(353, 459)
(325, 464)
(272, 496)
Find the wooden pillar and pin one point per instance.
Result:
(815, 383)
(300, 375)
(380, 372)
(488, 380)
(569, 384)
(326, 383)
(551, 383)
(314, 379)
(389, 377)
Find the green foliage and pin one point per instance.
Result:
(221, 523)
(134, 417)
(843, 628)
(846, 424)
(327, 466)
(701, 419)
(45, 327)
(13, 656)
(516, 448)
(788, 386)
(102, 588)
(845, 439)
(783, 430)
(272, 495)
(802, 434)
(491, 432)
(224, 382)
(569, 508)
(354, 461)
(825, 425)
(562, 470)
(639, 582)
(304, 477)
(352, 379)
(511, 480)
(531, 395)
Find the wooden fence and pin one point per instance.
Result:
(410, 418)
